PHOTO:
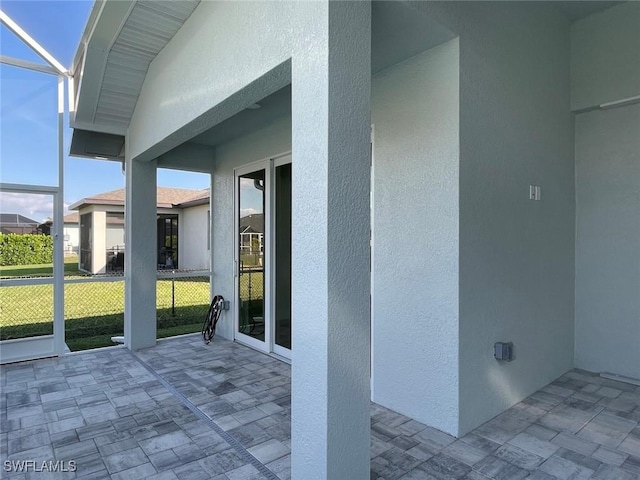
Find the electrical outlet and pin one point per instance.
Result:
(503, 351)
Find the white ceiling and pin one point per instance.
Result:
(146, 31)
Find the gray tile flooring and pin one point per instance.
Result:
(192, 411)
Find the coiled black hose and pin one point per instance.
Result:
(213, 315)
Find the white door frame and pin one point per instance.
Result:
(239, 336)
(46, 345)
(268, 346)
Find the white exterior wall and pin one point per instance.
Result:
(608, 236)
(207, 84)
(415, 112)
(606, 68)
(516, 255)
(193, 239)
(73, 244)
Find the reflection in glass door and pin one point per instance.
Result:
(251, 255)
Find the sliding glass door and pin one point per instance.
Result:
(282, 257)
(263, 255)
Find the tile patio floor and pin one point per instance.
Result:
(189, 411)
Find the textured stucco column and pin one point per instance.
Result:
(140, 255)
(99, 242)
(331, 81)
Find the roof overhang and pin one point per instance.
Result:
(88, 202)
(119, 42)
(194, 203)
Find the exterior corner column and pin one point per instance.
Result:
(331, 91)
(140, 266)
(99, 242)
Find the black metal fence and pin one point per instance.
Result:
(94, 307)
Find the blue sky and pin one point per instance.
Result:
(28, 135)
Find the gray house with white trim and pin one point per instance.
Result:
(181, 228)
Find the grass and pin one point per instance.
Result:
(252, 285)
(94, 312)
(45, 270)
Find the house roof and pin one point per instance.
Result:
(253, 223)
(72, 218)
(119, 42)
(167, 197)
(15, 219)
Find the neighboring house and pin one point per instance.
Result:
(252, 233)
(72, 233)
(473, 106)
(16, 223)
(182, 223)
(114, 232)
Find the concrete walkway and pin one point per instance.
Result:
(189, 411)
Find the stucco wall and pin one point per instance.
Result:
(605, 56)
(415, 113)
(516, 255)
(608, 237)
(194, 249)
(208, 83)
(605, 68)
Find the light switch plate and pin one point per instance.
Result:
(534, 192)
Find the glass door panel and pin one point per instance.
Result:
(282, 256)
(251, 258)
(28, 298)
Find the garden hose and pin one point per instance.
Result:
(213, 315)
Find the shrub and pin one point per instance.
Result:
(25, 249)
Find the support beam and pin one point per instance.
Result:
(31, 43)
(18, 62)
(140, 254)
(58, 234)
(99, 242)
(188, 156)
(331, 80)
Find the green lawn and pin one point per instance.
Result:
(46, 270)
(252, 285)
(94, 312)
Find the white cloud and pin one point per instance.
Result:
(246, 182)
(247, 211)
(35, 206)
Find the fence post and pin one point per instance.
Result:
(173, 293)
